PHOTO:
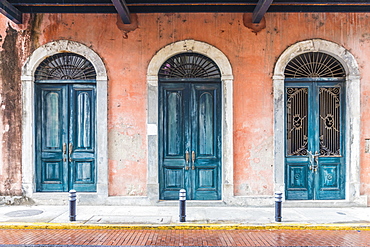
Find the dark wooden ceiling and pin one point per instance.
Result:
(14, 9)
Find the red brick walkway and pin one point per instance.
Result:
(186, 237)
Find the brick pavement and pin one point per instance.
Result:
(98, 237)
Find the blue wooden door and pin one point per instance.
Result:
(65, 137)
(315, 158)
(190, 140)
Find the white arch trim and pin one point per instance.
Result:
(227, 114)
(28, 138)
(353, 115)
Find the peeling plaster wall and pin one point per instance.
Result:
(11, 111)
(126, 52)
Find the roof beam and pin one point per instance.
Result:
(10, 11)
(260, 10)
(122, 10)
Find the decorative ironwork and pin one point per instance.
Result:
(189, 65)
(65, 66)
(329, 98)
(314, 64)
(297, 132)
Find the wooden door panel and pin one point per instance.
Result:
(314, 133)
(206, 127)
(206, 178)
(82, 118)
(173, 139)
(50, 137)
(84, 171)
(173, 181)
(51, 176)
(297, 184)
(331, 181)
(329, 176)
(82, 137)
(206, 140)
(174, 124)
(190, 140)
(52, 120)
(65, 137)
(297, 176)
(331, 170)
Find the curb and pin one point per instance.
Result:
(185, 226)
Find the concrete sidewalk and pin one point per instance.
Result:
(167, 217)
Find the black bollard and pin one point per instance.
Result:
(72, 205)
(182, 199)
(278, 202)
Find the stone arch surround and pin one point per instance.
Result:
(28, 138)
(353, 114)
(227, 113)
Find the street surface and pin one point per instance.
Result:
(100, 237)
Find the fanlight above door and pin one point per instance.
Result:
(65, 66)
(314, 65)
(189, 65)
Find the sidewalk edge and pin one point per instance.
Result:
(185, 226)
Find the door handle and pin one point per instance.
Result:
(186, 160)
(193, 160)
(314, 161)
(64, 152)
(70, 150)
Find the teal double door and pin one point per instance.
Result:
(190, 139)
(315, 132)
(65, 137)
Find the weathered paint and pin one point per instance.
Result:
(11, 115)
(126, 56)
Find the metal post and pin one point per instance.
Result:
(278, 202)
(182, 199)
(72, 205)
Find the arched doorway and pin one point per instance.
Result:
(190, 46)
(314, 128)
(190, 127)
(350, 122)
(65, 123)
(31, 83)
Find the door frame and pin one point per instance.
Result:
(189, 89)
(227, 184)
(352, 119)
(302, 161)
(28, 128)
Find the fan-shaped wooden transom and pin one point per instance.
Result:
(65, 66)
(189, 65)
(314, 64)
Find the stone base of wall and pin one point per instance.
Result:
(16, 200)
(238, 201)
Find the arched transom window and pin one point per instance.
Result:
(313, 65)
(189, 65)
(65, 66)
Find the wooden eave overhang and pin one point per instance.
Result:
(14, 9)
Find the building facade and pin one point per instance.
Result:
(229, 110)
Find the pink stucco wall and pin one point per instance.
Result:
(252, 55)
